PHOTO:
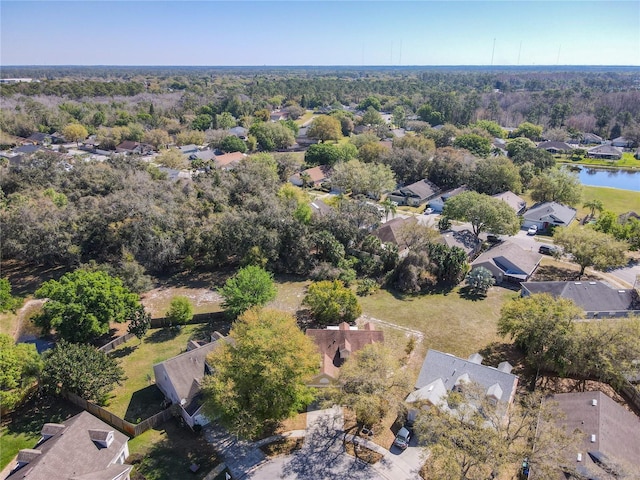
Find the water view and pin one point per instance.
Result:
(623, 179)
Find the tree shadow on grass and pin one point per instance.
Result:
(123, 352)
(468, 293)
(144, 403)
(29, 418)
(162, 335)
(171, 457)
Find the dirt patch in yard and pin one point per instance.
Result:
(362, 453)
(203, 300)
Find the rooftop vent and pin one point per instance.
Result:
(579, 457)
(593, 438)
(592, 283)
(594, 402)
(621, 291)
(578, 283)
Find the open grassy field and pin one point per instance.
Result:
(450, 322)
(138, 397)
(628, 161)
(614, 199)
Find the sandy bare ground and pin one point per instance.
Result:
(16, 325)
(157, 301)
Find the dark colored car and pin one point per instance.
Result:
(493, 238)
(548, 250)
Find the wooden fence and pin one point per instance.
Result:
(129, 428)
(197, 319)
(114, 343)
(631, 395)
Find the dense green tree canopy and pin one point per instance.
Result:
(589, 247)
(557, 185)
(81, 305)
(20, 365)
(486, 214)
(260, 376)
(252, 286)
(325, 128)
(496, 175)
(332, 302)
(80, 369)
(180, 311)
(476, 144)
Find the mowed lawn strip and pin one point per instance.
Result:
(449, 322)
(137, 360)
(617, 200)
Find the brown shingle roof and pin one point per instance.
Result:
(616, 430)
(335, 346)
(228, 159)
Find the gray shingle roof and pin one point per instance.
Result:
(588, 295)
(71, 454)
(449, 368)
(514, 201)
(422, 189)
(506, 254)
(544, 212)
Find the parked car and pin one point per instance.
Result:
(412, 414)
(533, 229)
(402, 438)
(493, 238)
(548, 250)
(428, 211)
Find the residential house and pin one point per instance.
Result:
(228, 160)
(508, 262)
(608, 152)
(544, 215)
(518, 204)
(303, 140)
(179, 379)
(415, 194)
(442, 373)
(595, 298)
(590, 139)
(39, 138)
(437, 203)
(319, 208)
(204, 155)
(398, 132)
(188, 149)
(608, 435)
(336, 344)
(278, 115)
(622, 142)
(464, 239)
(392, 231)
(311, 177)
(27, 149)
(81, 448)
(239, 132)
(555, 147)
(133, 148)
(499, 147)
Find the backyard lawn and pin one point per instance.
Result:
(138, 398)
(168, 451)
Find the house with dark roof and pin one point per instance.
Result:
(179, 379)
(464, 239)
(336, 344)
(518, 204)
(437, 203)
(555, 147)
(608, 435)
(39, 138)
(311, 177)
(508, 262)
(442, 373)
(544, 215)
(81, 448)
(204, 155)
(27, 149)
(239, 132)
(608, 152)
(595, 298)
(319, 208)
(134, 148)
(392, 231)
(415, 194)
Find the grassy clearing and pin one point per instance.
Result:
(21, 429)
(449, 322)
(627, 161)
(308, 115)
(169, 451)
(203, 300)
(291, 291)
(138, 398)
(614, 199)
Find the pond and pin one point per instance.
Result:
(623, 179)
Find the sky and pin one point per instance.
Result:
(300, 32)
